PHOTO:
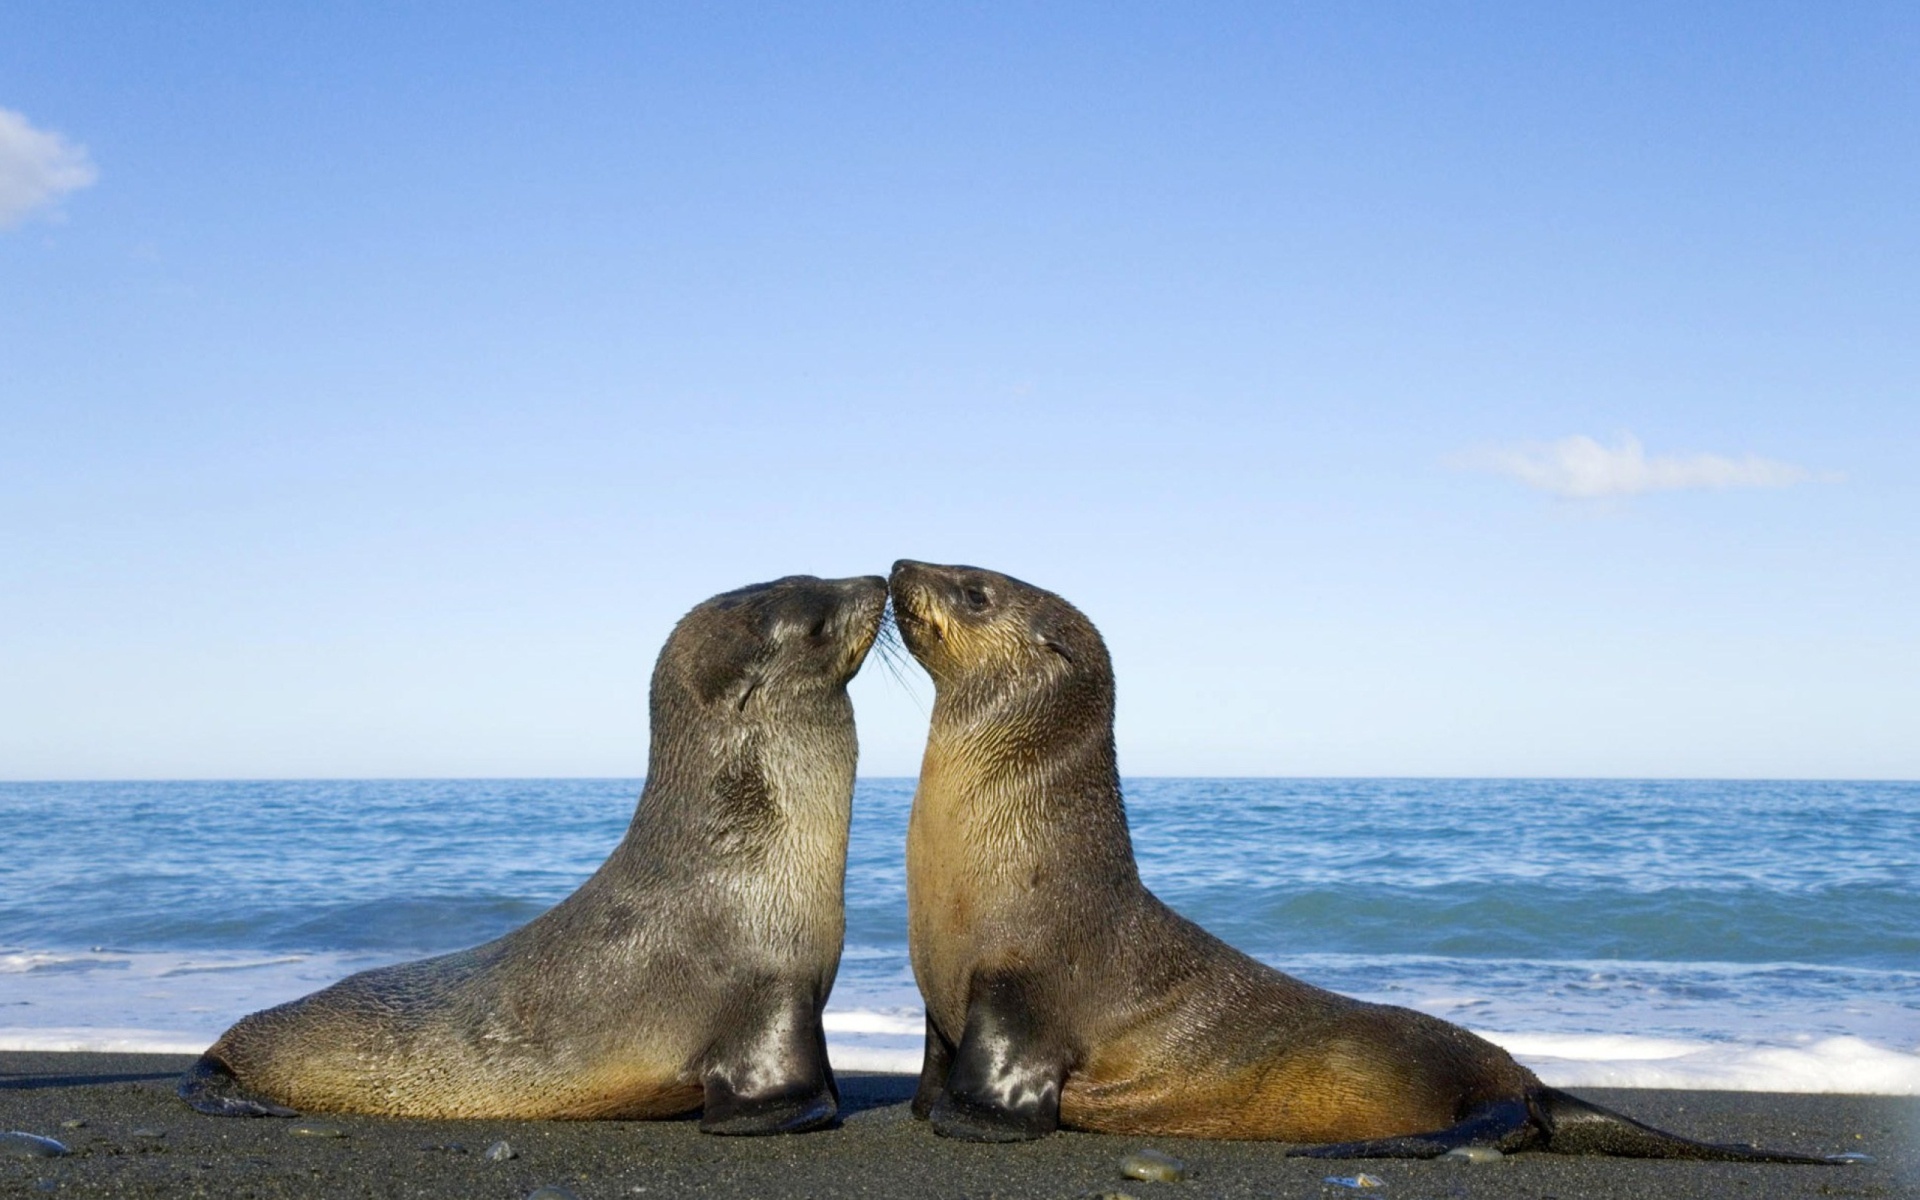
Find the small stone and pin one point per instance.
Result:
(1362, 1180)
(501, 1152)
(29, 1145)
(319, 1129)
(73, 1123)
(1111, 1196)
(148, 1133)
(1153, 1166)
(1851, 1156)
(551, 1191)
(1474, 1154)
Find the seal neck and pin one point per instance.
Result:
(758, 787)
(1019, 795)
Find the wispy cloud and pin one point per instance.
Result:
(1584, 469)
(37, 167)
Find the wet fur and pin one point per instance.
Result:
(1061, 992)
(689, 971)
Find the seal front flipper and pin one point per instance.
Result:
(934, 1066)
(1505, 1125)
(209, 1087)
(771, 1076)
(1003, 1084)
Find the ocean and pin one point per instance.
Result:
(1757, 935)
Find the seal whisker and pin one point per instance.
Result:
(893, 655)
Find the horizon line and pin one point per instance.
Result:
(894, 778)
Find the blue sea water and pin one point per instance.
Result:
(1668, 932)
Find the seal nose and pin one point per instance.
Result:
(868, 589)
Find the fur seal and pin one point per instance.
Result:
(689, 972)
(1061, 992)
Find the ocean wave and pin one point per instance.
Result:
(1671, 870)
(45, 962)
(199, 968)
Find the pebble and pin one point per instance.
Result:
(316, 1129)
(1474, 1154)
(148, 1133)
(1852, 1156)
(1362, 1180)
(551, 1191)
(29, 1145)
(1153, 1166)
(1111, 1196)
(501, 1152)
(74, 1123)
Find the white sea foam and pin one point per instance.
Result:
(1834, 1064)
(153, 1002)
(103, 1041)
(874, 1058)
(894, 1021)
(107, 1001)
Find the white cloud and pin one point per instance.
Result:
(1582, 468)
(37, 167)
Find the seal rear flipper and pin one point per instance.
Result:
(1003, 1084)
(210, 1087)
(1505, 1125)
(1574, 1126)
(771, 1076)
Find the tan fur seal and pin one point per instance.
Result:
(1061, 992)
(688, 973)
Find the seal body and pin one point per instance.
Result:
(688, 973)
(1061, 992)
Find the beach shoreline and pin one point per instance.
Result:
(136, 1139)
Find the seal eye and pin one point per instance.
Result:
(976, 598)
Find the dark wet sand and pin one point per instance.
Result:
(126, 1099)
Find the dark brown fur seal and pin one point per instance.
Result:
(1061, 992)
(688, 973)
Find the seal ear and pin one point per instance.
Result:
(723, 666)
(1047, 637)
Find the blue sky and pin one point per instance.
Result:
(378, 384)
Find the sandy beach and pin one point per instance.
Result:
(129, 1136)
